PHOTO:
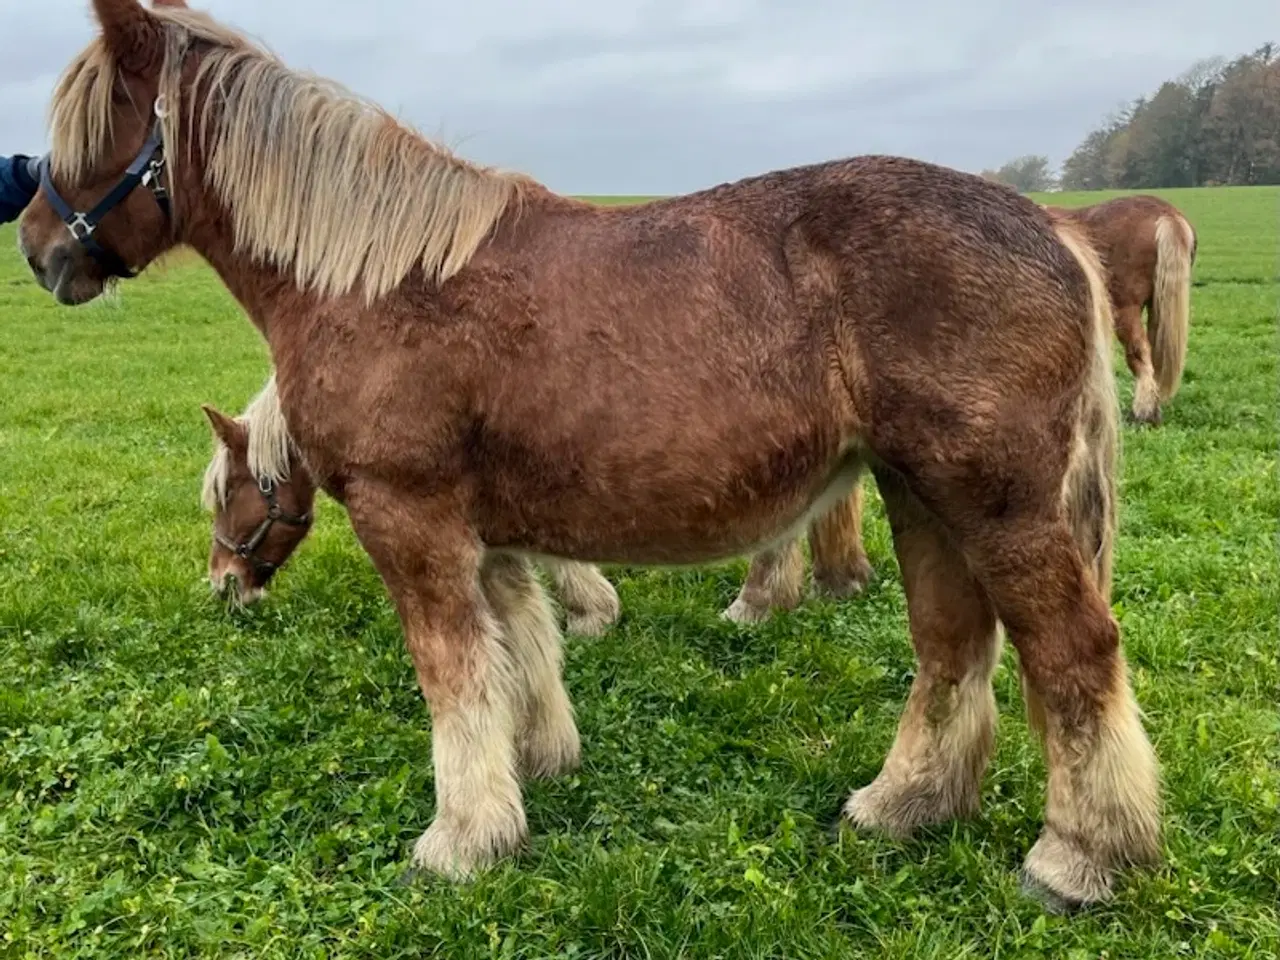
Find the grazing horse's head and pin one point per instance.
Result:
(261, 497)
(103, 210)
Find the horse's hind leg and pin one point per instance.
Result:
(934, 769)
(1137, 355)
(547, 738)
(1102, 809)
(840, 564)
(775, 580)
(1102, 806)
(590, 600)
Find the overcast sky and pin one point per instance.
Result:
(664, 96)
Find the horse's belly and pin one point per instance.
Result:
(686, 493)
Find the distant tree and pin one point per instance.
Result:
(1029, 174)
(1218, 123)
(1202, 73)
(1118, 161)
(1086, 168)
(1162, 139)
(1243, 121)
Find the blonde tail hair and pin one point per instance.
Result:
(1170, 316)
(1090, 488)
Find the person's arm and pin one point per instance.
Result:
(18, 184)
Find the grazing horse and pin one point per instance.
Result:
(262, 496)
(255, 530)
(1148, 249)
(481, 371)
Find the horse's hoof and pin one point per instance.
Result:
(1052, 902)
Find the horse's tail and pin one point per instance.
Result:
(1171, 301)
(1089, 490)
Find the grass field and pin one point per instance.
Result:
(176, 781)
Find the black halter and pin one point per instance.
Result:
(245, 551)
(145, 170)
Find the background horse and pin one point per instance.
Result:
(262, 498)
(1148, 249)
(482, 370)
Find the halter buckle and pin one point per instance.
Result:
(151, 176)
(81, 228)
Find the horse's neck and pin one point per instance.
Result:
(264, 290)
(304, 484)
(270, 293)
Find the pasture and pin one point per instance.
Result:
(178, 780)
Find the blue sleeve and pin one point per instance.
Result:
(16, 187)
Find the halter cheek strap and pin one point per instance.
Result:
(247, 551)
(145, 170)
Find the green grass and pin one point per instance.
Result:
(176, 781)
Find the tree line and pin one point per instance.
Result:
(1216, 125)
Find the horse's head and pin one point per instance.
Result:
(173, 128)
(103, 210)
(258, 519)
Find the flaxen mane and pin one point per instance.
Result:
(312, 176)
(269, 447)
(80, 114)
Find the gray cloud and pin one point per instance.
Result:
(661, 96)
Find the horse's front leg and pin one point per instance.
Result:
(431, 562)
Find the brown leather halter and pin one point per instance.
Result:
(263, 569)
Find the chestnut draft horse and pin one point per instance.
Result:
(261, 496)
(1148, 249)
(483, 371)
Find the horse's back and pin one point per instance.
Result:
(955, 296)
(1123, 230)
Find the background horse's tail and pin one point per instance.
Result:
(1089, 488)
(1171, 301)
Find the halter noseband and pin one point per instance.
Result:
(145, 169)
(245, 551)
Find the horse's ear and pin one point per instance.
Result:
(132, 33)
(227, 429)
